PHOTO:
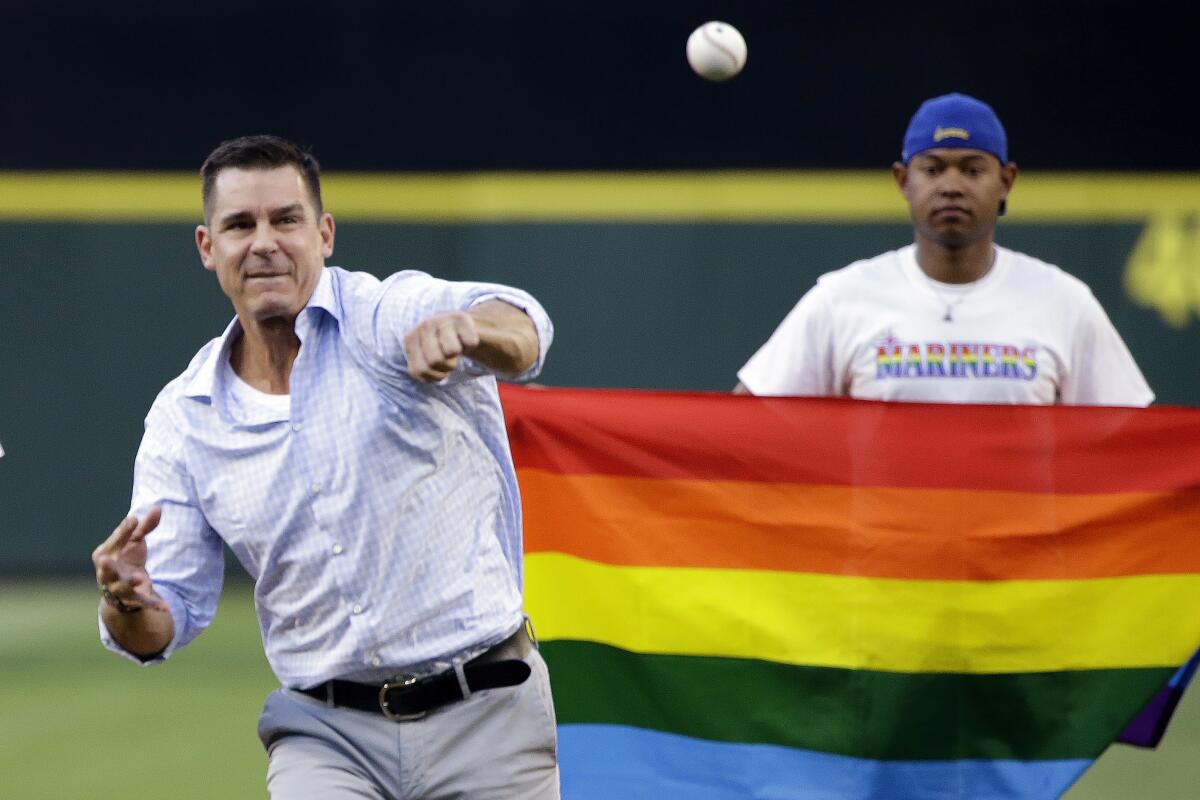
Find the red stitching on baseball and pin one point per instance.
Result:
(722, 48)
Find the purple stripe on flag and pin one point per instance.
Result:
(1150, 724)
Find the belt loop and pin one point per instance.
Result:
(532, 633)
(462, 680)
(329, 703)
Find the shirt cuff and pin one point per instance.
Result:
(541, 325)
(178, 612)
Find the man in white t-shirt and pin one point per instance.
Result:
(953, 317)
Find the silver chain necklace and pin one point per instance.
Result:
(948, 303)
(954, 303)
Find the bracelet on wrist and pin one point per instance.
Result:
(117, 603)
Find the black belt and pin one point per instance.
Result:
(407, 697)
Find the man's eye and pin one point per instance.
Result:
(288, 220)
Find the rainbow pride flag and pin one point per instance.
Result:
(778, 598)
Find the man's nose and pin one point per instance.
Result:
(950, 185)
(264, 239)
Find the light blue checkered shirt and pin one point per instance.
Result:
(379, 516)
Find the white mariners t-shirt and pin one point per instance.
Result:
(1026, 332)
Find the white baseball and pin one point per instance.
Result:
(716, 51)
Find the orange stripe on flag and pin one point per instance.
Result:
(937, 534)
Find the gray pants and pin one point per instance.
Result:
(495, 745)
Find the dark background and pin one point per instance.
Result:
(555, 85)
(95, 317)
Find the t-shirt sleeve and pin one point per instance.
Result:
(798, 358)
(1102, 370)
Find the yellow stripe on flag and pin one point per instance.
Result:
(868, 623)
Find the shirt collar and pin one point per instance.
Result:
(325, 295)
(203, 384)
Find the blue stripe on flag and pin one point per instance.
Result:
(602, 762)
(1185, 674)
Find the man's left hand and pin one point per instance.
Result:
(433, 347)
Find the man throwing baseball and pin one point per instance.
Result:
(952, 317)
(344, 437)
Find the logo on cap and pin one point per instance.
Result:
(949, 133)
(955, 120)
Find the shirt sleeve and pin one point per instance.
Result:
(184, 555)
(1102, 370)
(409, 297)
(798, 358)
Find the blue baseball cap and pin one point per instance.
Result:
(955, 120)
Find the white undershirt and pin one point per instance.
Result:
(273, 406)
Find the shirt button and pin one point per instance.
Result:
(337, 549)
(357, 609)
(375, 662)
(316, 488)
(296, 427)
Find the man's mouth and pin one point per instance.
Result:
(952, 211)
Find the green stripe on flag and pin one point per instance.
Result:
(859, 713)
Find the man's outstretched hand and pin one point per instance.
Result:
(120, 563)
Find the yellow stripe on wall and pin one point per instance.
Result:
(718, 196)
(868, 623)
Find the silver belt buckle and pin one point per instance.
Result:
(400, 682)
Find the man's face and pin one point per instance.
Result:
(265, 241)
(954, 194)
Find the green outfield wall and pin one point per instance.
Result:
(657, 280)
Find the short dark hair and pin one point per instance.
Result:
(260, 152)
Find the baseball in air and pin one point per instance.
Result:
(716, 51)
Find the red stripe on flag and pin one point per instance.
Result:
(836, 442)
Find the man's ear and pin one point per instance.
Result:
(204, 246)
(1008, 176)
(327, 231)
(900, 174)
